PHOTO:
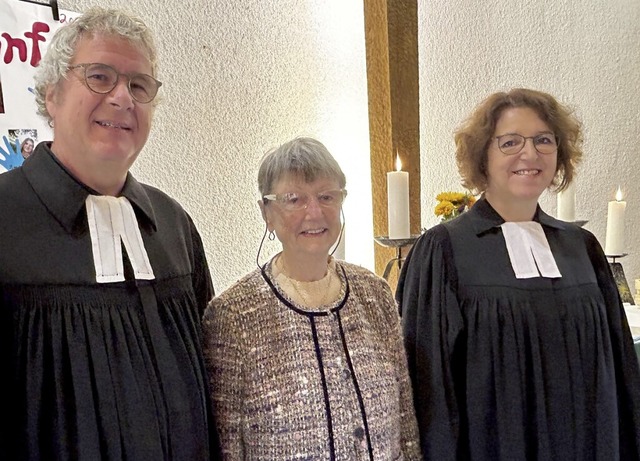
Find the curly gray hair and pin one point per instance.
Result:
(95, 21)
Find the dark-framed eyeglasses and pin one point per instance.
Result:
(296, 201)
(513, 143)
(102, 79)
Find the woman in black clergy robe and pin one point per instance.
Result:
(517, 341)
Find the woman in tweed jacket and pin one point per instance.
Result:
(305, 354)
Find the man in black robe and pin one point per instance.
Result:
(103, 280)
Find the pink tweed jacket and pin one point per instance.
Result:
(291, 384)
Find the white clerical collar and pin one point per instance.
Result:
(112, 221)
(529, 250)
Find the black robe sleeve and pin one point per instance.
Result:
(202, 284)
(433, 330)
(626, 363)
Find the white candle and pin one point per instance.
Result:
(567, 203)
(615, 226)
(398, 202)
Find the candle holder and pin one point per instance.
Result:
(621, 280)
(398, 244)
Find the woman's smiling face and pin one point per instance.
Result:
(524, 176)
(309, 231)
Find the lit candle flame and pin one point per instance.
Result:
(398, 163)
(619, 195)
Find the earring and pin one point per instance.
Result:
(271, 236)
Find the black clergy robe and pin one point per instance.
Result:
(517, 369)
(98, 371)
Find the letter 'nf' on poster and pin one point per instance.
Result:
(25, 32)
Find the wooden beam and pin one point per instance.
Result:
(391, 36)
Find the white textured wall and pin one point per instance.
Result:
(241, 77)
(586, 53)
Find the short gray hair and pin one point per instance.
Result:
(307, 158)
(95, 21)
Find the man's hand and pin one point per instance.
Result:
(12, 157)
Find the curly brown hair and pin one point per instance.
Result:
(476, 133)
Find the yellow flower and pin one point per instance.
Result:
(451, 204)
(470, 201)
(444, 208)
(453, 197)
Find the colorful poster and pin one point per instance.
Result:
(25, 32)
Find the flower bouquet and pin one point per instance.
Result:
(452, 204)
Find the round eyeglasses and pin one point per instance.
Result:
(296, 201)
(102, 79)
(512, 143)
